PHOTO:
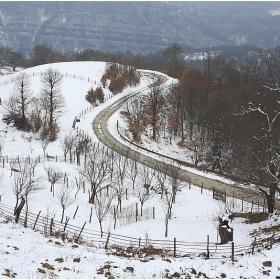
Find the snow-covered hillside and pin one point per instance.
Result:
(28, 254)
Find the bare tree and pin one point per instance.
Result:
(173, 180)
(198, 146)
(34, 184)
(68, 144)
(36, 114)
(155, 101)
(54, 175)
(161, 178)
(169, 185)
(45, 142)
(144, 189)
(265, 160)
(96, 170)
(24, 183)
(78, 183)
(133, 168)
(120, 164)
(167, 203)
(64, 197)
(21, 97)
(102, 205)
(52, 100)
(134, 108)
(81, 146)
(173, 60)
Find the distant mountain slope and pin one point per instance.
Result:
(137, 26)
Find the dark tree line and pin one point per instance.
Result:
(169, 61)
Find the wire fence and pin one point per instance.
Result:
(67, 75)
(233, 202)
(50, 227)
(112, 242)
(257, 200)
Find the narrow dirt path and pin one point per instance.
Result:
(101, 130)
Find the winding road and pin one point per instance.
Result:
(103, 134)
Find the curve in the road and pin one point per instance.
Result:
(103, 134)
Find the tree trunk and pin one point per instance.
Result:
(17, 199)
(271, 199)
(166, 226)
(101, 230)
(26, 213)
(92, 198)
(63, 210)
(19, 208)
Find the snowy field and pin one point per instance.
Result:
(27, 254)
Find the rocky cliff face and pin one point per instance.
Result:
(137, 26)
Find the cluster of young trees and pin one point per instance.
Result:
(118, 76)
(36, 113)
(226, 115)
(95, 95)
(109, 177)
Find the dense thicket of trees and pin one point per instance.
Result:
(225, 114)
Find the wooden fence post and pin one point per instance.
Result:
(263, 205)
(115, 217)
(232, 251)
(252, 206)
(207, 254)
(139, 242)
(75, 212)
(174, 247)
(51, 227)
(3, 162)
(253, 245)
(66, 222)
(36, 217)
(136, 212)
(107, 241)
(126, 194)
(242, 204)
(77, 240)
(272, 240)
(201, 187)
(153, 212)
(213, 192)
(90, 215)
